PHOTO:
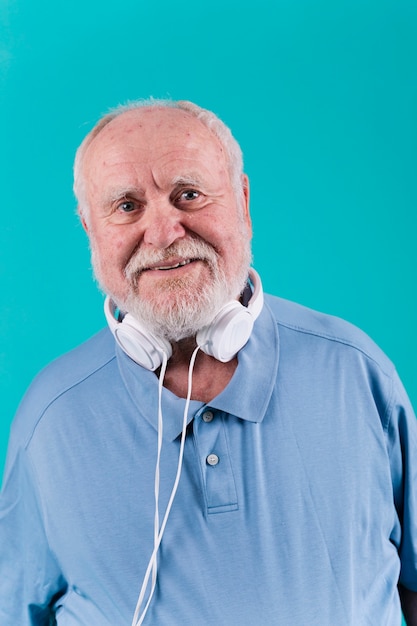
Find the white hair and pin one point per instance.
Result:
(209, 119)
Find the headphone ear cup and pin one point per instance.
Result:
(231, 328)
(139, 344)
(143, 347)
(228, 332)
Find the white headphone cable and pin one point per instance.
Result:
(158, 532)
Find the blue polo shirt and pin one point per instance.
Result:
(296, 505)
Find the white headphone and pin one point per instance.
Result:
(222, 339)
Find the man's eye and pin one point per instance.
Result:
(189, 194)
(127, 206)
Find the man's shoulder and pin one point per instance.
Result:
(62, 375)
(302, 321)
(77, 364)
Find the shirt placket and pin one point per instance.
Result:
(212, 446)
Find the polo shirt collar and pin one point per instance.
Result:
(246, 396)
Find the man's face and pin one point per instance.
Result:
(169, 241)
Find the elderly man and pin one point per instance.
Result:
(211, 458)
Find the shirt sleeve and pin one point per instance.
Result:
(30, 579)
(402, 441)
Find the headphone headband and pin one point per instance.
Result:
(223, 338)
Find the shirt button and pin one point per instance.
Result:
(208, 416)
(212, 459)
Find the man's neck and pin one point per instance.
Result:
(209, 378)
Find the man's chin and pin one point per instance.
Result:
(173, 323)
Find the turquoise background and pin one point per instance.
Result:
(323, 98)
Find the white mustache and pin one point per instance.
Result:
(187, 249)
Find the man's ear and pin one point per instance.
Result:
(82, 220)
(246, 195)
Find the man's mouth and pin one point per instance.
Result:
(176, 259)
(172, 266)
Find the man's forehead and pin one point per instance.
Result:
(152, 124)
(161, 133)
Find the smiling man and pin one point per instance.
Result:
(169, 231)
(214, 456)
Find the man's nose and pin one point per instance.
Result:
(162, 225)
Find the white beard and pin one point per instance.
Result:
(178, 308)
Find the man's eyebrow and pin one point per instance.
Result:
(118, 193)
(191, 180)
